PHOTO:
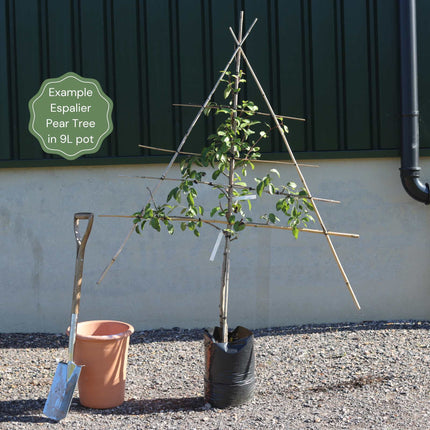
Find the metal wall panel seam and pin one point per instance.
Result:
(110, 70)
(143, 84)
(13, 88)
(372, 32)
(340, 78)
(308, 80)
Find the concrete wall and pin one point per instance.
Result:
(163, 281)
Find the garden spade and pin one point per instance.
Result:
(67, 374)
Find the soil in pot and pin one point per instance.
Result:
(229, 368)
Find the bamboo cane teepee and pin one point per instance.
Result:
(237, 56)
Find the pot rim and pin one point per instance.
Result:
(105, 337)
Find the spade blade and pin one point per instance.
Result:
(61, 393)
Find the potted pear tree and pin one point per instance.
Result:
(224, 164)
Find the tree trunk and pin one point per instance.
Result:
(225, 277)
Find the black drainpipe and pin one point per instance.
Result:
(409, 170)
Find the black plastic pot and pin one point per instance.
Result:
(229, 368)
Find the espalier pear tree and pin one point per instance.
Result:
(230, 154)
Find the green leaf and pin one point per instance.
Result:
(273, 218)
(190, 200)
(295, 232)
(149, 213)
(183, 226)
(155, 224)
(260, 188)
(271, 189)
(275, 172)
(227, 91)
(239, 226)
(208, 109)
(216, 174)
(196, 233)
(191, 212)
(172, 193)
(309, 205)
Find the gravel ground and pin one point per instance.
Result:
(373, 375)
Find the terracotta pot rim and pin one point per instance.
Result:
(103, 338)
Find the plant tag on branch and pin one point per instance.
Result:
(216, 246)
(248, 197)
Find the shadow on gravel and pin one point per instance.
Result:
(32, 340)
(23, 411)
(330, 328)
(45, 340)
(167, 335)
(150, 406)
(30, 411)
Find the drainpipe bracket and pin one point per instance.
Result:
(410, 172)
(412, 114)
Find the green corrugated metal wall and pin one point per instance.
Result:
(333, 62)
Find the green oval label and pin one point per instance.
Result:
(70, 116)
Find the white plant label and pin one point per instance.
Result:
(216, 246)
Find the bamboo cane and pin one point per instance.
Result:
(218, 186)
(156, 148)
(278, 162)
(248, 224)
(177, 152)
(239, 110)
(345, 277)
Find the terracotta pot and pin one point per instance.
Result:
(102, 347)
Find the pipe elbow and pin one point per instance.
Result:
(413, 186)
